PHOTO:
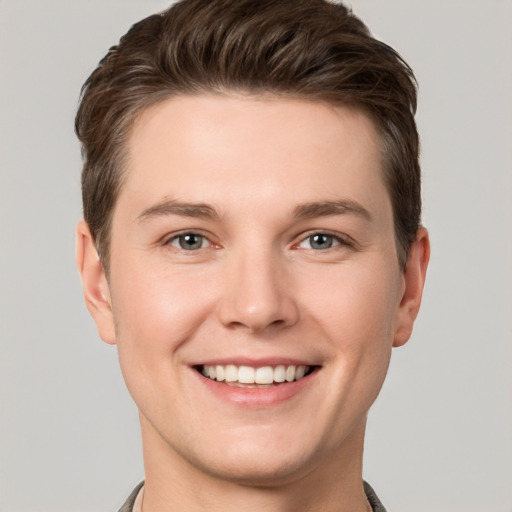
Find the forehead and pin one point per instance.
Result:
(227, 148)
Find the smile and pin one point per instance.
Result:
(247, 376)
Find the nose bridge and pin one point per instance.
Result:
(257, 294)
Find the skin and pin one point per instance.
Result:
(256, 290)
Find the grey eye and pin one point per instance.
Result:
(188, 241)
(321, 241)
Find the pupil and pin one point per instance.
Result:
(321, 241)
(191, 241)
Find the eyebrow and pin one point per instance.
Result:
(302, 211)
(172, 207)
(326, 208)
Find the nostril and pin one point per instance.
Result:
(256, 301)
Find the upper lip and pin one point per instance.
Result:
(256, 362)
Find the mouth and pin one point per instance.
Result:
(255, 377)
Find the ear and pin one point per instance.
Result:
(414, 280)
(94, 283)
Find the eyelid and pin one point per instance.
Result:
(169, 237)
(343, 239)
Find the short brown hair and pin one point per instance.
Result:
(312, 49)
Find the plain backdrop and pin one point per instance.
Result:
(440, 434)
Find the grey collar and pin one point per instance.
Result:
(370, 494)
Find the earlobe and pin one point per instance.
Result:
(414, 280)
(94, 282)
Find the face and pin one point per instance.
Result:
(255, 292)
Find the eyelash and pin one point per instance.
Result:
(182, 235)
(338, 240)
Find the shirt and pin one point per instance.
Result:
(134, 502)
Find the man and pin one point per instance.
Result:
(252, 244)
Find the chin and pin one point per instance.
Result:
(265, 457)
(258, 469)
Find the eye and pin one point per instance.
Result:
(188, 241)
(321, 242)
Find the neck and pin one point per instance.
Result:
(332, 484)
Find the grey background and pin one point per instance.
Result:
(439, 436)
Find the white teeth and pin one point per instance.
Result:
(263, 375)
(220, 374)
(246, 375)
(290, 373)
(299, 372)
(279, 373)
(231, 373)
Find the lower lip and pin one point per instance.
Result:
(257, 397)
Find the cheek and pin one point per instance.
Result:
(358, 306)
(155, 312)
(357, 316)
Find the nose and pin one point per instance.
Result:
(258, 293)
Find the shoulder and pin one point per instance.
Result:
(374, 501)
(128, 505)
